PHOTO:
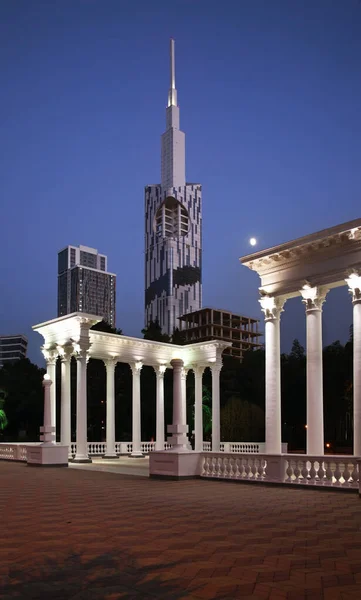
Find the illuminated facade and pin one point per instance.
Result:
(84, 285)
(173, 229)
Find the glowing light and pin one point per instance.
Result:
(46, 376)
(305, 426)
(328, 445)
(253, 241)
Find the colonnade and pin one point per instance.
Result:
(178, 427)
(313, 299)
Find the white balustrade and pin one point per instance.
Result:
(121, 448)
(15, 451)
(336, 471)
(232, 466)
(330, 471)
(96, 448)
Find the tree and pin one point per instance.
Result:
(242, 421)
(24, 398)
(178, 337)
(154, 332)
(3, 418)
(293, 396)
(206, 408)
(106, 328)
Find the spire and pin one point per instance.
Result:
(173, 140)
(172, 94)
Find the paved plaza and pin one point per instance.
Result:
(89, 535)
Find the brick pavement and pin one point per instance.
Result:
(86, 535)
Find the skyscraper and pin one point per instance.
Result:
(173, 229)
(12, 348)
(84, 285)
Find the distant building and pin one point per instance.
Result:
(12, 348)
(173, 229)
(84, 284)
(217, 324)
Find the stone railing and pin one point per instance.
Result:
(241, 447)
(339, 471)
(14, 451)
(316, 471)
(99, 448)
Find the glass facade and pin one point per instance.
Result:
(85, 286)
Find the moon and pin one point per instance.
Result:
(253, 241)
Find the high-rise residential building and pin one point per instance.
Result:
(218, 324)
(173, 229)
(84, 284)
(12, 348)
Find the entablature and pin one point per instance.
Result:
(323, 258)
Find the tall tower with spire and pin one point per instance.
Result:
(173, 229)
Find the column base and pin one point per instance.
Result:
(178, 439)
(110, 456)
(81, 460)
(47, 455)
(175, 465)
(136, 455)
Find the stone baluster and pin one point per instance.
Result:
(136, 414)
(198, 409)
(159, 434)
(354, 284)
(110, 364)
(272, 308)
(313, 298)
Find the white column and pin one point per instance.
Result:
(313, 299)
(272, 308)
(184, 374)
(198, 409)
(159, 434)
(179, 428)
(65, 408)
(47, 430)
(216, 414)
(51, 357)
(354, 283)
(81, 408)
(110, 365)
(136, 414)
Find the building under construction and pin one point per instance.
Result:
(217, 324)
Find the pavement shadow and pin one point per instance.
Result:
(104, 577)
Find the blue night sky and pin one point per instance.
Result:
(269, 92)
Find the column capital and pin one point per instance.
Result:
(65, 352)
(184, 372)
(110, 362)
(160, 370)
(354, 287)
(177, 363)
(136, 367)
(50, 355)
(215, 367)
(198, 370)
(47, 382)
(81, 350)
(272, 306)
(313, 297)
